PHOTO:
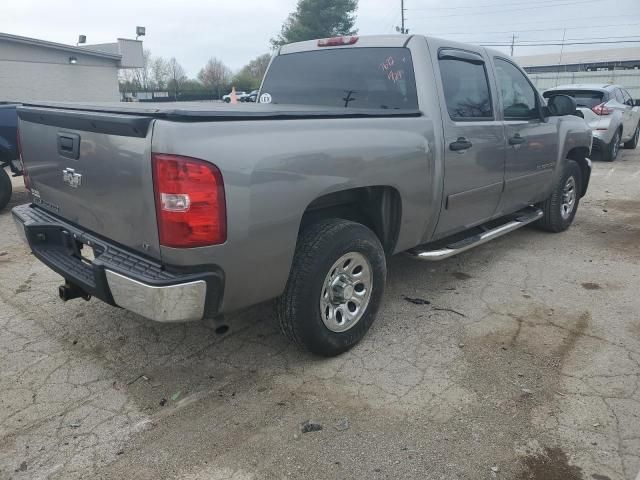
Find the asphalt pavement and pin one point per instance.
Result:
(525, 364)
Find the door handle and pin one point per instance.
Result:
(460, 144)
(517, 140)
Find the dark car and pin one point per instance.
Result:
(252, 97)
(8, 150)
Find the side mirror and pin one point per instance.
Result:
(560, 105)
(636, 102)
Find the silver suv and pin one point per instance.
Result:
(610, 112)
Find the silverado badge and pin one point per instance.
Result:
(71, 178)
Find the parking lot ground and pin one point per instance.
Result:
(525, 365)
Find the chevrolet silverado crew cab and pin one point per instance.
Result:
(358, 148)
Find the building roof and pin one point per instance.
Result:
(608, 55)
(58, 46)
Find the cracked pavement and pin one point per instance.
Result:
(526, 365)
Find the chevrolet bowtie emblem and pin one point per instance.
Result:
(71, 178)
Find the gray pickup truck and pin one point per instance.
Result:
(358, 148)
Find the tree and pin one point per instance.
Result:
(215, 75)
(176, 75)
(142, 75)
(250, 76)
(256, 68)
(160, 72)
(318, 19)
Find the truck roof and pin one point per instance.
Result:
(364, 41)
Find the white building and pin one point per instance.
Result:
(32, 69)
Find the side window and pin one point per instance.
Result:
(627, 98)
(618, 94)
(518, 96)
(466, 89)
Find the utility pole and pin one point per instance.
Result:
(402, 29)
(513, 42)
(564, 36)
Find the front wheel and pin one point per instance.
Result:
(633, 143)
(5, 188)
(334, 288)
(561, 207)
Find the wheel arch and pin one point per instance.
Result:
(580, 156)
(377, 207)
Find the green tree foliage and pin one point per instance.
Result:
(250, 76)
(318, 19)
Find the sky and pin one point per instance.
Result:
(192, 31)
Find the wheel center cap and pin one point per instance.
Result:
(348, 292)
(341, 290)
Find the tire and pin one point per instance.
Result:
(610, 151)
(227, 100)
(633, 143)
(312, 315)
(567, 191)
(5, 188)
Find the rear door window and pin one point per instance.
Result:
(370, 78)
(627, 98)
(466, 89)
(583, 98)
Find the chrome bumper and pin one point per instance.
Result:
(174, 303)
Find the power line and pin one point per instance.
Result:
(591, 27)
(599, 17)
(556, 44)
(579, 2)
(509, 4)
(526, 42)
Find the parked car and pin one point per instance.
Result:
(610, 112)
(8, 150)
(252, 97)
(239, 95)
(180, 212)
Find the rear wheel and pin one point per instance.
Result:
(610, 151)
(334, 288)
(5, 188)
(633, 143)
(561, 207)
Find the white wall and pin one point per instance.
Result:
(24, 82)
(29, 73)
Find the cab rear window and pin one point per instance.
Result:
(369, 78)
(584, 98)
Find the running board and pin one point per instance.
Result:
(523, 218)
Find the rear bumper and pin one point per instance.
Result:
(600, 142)
(118, 276)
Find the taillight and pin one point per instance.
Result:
(337, 41)
(190, 203)
(601, 109)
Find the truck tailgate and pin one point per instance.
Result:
(93, 170)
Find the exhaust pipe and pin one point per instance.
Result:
(69, 291)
